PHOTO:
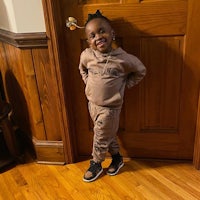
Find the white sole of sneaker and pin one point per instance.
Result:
(93, 179)
(113, 174)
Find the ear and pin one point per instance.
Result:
(113, 34)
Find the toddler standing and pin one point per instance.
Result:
(106, 72)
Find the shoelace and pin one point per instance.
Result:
(94, 166)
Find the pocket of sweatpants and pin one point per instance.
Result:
(105, 119)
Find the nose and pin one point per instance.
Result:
(98, 36)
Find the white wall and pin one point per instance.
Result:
(7, 16)
(22, 16)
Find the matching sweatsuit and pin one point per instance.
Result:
(105, 76)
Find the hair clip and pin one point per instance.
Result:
(71, 23)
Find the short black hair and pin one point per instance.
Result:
(95, 16)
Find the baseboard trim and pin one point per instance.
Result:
(24, 40)
(49, 152)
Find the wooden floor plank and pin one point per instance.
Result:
(183, 179)
(169, 183)
(138, 179)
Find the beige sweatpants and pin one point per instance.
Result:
(106, 124)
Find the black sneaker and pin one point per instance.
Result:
(93, 172)
(116, 165)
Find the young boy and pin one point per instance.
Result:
(106, 72)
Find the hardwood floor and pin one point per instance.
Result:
(138, 179)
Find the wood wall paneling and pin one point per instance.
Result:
(49, 152)
(48, 92)
(31, 87)
(21, 89)
(24, 40)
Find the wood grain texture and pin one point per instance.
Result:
(193, 60)
(30, 86)
(49, 152)
(57, 55)
(48, 93)
(196, 159)
(21, 90)
(138, 179)
(158, 119)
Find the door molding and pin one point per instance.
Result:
(192, 37)
(53, 22)
(196, 158)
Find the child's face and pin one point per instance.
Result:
(100, 35)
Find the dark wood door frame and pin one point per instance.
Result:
(55, 28)
(55, 33)
(192, 41)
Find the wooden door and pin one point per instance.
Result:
(158, 118)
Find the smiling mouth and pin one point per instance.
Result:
(101, 43)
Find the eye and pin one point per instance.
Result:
(101, 31)
(91, 36)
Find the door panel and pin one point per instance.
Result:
(154, 119)
(162, 86)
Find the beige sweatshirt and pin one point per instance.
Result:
(106, 75)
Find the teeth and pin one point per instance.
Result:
(101, 42)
